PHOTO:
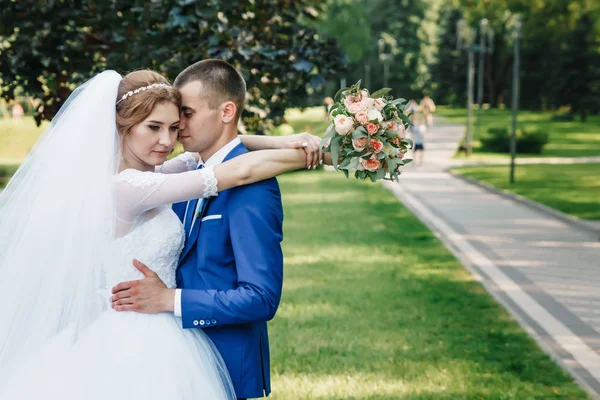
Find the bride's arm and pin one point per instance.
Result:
(257, 166)
(309, 143)
(182, 163)
(141, 191)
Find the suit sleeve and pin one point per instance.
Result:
(255, 226)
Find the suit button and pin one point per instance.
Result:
(202, 322)
(214, 321)
(207, 322)
(195, 322)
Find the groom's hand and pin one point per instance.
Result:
(311, 144)
(146, 296)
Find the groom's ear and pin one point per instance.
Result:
(229, 111)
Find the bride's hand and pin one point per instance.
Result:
(146, 296)
(311, 145)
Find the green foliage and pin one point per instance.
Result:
(55, 45)
(530, 140)
(406, 26)
(560, 50)
(566, 139)
(449, 70)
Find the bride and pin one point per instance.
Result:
(74, 216)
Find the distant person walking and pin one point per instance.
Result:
(17, 112)
(427, 106)
(413, 107)
(417, 131)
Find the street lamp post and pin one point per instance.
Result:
(515, 97)
(486, 46)
(385, 59)
(466, 41)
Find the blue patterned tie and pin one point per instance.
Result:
(190, 211)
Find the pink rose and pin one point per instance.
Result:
(372, 128)
(372, 164)
(355, 107)
(362, 117)
(379, 103)
(377, 145)
(392, 125)
(343, 124)
(360, 143)
(396, 141)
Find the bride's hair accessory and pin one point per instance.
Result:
(136, 91)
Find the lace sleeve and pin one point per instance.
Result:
(141, 191)
(182, 163)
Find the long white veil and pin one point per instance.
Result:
(56, 221)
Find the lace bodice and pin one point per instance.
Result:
(146, 227)
(157, 242)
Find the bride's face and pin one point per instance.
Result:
(151, 141)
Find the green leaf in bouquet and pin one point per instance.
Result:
(390, 134)
(380, 93)
(342, 90)
(381, 155)
(345, 162)
(407, 161)
(329, 133)
(380, 173)
(398, 102)
(405, 118)
(336, 143)
(373, 176)
(408, 143)
(359, 132)
(346, 173)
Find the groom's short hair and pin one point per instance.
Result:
(221, 82)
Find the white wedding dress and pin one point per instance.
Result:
(126, 355)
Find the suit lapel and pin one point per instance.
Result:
(192, 238)
(193, 235)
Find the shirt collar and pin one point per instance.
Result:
(220, 155)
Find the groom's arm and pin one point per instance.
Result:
(255, 224)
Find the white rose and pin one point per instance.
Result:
(343, 124)
(374, 114)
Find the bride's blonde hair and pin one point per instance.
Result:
(134, 109)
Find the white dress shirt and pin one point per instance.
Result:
(215, 160)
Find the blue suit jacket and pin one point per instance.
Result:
(231, 273)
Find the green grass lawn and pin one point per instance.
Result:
(374, 307)
(310, 119)
(572, 189)
(567, 139)
(17, 139)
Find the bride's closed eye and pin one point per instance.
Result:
(155, 128)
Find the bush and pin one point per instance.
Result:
(530, 140)
(496, 140)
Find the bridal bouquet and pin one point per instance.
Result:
(367, 134)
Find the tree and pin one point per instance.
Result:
(450, 65)
(581, 78)
(268, 40)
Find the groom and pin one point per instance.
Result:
(230, 273)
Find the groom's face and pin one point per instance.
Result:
(201, 126)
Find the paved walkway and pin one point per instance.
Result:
(544, 271)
